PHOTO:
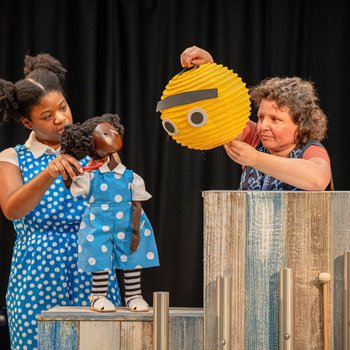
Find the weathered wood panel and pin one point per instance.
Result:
(265, 255)
(340, 230)
(308, 254)
(69, 328)
(136, 335)
(224, 237)
(186, 332)
(57, 335)
(99, 335)
(306, 231)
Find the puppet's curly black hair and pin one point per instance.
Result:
(43, 74)
(77, 139)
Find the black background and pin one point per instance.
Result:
(120, 54)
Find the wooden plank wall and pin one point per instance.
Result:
(308, 254)
(58, 335)
(340, 230)
(250, 236)
(265, 254)
(224, 238)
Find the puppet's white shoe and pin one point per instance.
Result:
(100, 303)
(137, 304)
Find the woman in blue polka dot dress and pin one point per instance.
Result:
(114, 233)
(46, 216)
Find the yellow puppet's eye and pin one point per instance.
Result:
(169, 127)
(197, 117)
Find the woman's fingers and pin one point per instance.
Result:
(185, 57)
(64, 165)
(235, 151)
(229, 151)
(195, 55)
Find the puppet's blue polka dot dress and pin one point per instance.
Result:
(106, 231)
(44, 270)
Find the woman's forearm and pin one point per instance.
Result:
(307, 174)
(17, 201)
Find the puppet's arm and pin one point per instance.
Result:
(139, 194)
(136, 214)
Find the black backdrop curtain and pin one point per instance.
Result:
(121, 53)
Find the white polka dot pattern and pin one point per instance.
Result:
(108, 219)
(44, 264)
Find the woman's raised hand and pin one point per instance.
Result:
(195, 55)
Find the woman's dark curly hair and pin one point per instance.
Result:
(77, 139)
(43, 74)
(299, 96)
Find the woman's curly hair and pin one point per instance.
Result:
(299, 97)
(43, 74)
(77, 139)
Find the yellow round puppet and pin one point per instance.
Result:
(205, 107)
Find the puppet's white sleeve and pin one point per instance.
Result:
(81, 185)
(138, 189)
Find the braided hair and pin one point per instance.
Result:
(42, 74)
(77, 139)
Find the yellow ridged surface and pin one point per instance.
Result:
(228, 114)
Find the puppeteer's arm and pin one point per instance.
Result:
(18, 199)
(313, 174)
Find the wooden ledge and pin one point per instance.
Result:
(81, 313)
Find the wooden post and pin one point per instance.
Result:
(287, 307)
(160, 321)
(324, 278)
(223, 312)
(346, 301)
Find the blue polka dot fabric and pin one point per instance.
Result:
(44, 271)
(105, 231)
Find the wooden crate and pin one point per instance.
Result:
(250, 236)
(79, 328)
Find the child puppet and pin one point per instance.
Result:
(114, 233)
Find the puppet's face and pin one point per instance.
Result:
(107, 140)
(205, 107)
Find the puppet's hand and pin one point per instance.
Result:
(135, 240)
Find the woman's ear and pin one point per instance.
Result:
(26, 123)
